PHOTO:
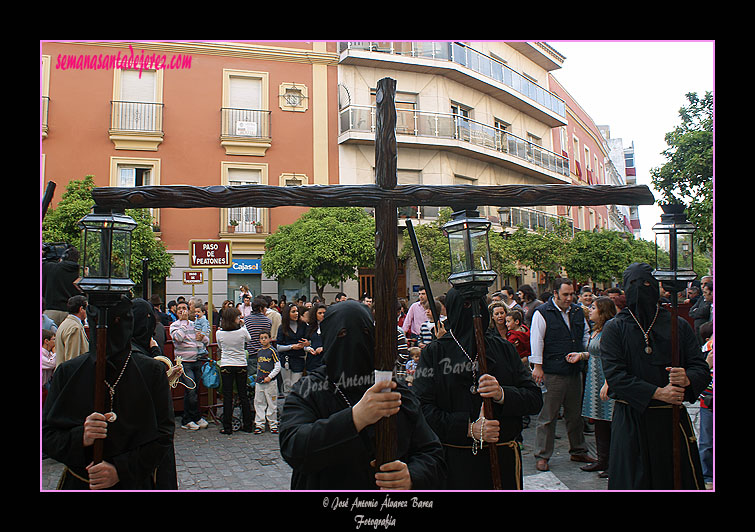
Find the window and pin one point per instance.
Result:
(293, 97)
(461, 121)
(136, 113)
(136, 172)
(250, 219)
(245, 117)
(406, 105)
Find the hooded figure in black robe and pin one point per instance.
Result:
(138, 440)
(318, 437)
(145, 321)
(641, 428)
(443, 381)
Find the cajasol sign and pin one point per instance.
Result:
(253, 266)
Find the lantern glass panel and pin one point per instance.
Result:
(119, 261)
(95, 258)
(478, 242)
(457, 245)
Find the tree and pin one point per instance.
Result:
(433, 244)
(327, 244)
(687, 177)
(599, 256)
(541, 251)
(60, 225)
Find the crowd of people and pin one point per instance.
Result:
(575, 354)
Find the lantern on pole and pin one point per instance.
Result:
(106, 252)
(472, 274)
(469, 248)
(675, 232)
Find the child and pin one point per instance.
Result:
(266, 392)
(426, 330)
(412, 363)
(47, 356)
(186, 341)
(201, 324)
(518, 334)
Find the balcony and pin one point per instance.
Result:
(245, 131)
(465, 65)
(136, 125)
(531, 219)
(459, 134)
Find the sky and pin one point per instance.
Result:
(637, 88)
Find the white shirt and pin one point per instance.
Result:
(231, 344)
(537, 333)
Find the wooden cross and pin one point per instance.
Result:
(385, 196)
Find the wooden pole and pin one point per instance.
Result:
(386, 242)
(487, 404)
(99, 376)
(676, 444)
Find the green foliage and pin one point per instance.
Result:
(325, 243)
(61, 225)
(541, 251)
(600, 256)
(687, 176)
(433, 245)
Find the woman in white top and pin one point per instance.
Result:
(231, 338)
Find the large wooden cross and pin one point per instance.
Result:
(385, 196)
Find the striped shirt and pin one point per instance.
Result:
(255, 323)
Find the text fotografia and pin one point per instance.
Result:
(386, 504)
(130, 61)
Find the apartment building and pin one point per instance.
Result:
(195, 113)
(479, 113)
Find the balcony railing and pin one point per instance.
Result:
(530, 218)
(451, 126)
(144, 117)
(468, 57)
(250, 123)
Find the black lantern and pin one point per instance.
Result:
(106, 240)
(106, 236)
(470, 250)
(674, 232)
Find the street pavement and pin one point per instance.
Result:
(208, 460)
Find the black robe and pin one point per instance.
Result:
(143, 432)
(641, 434)
(318, 438)
(442, 382)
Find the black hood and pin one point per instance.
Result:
(144, 323)
(120, 329)
(348, 338)
(460, 318)
(642, 299)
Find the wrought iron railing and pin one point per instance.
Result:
(146, 117)
(451, 126)
(253, 123)
(478, 62)
(531, 219)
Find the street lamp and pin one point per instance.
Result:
(472, 275)
(675, 230)
(469, 248)
(106, 237)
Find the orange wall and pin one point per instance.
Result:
(78, 143)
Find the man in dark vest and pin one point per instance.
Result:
(558, 330)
